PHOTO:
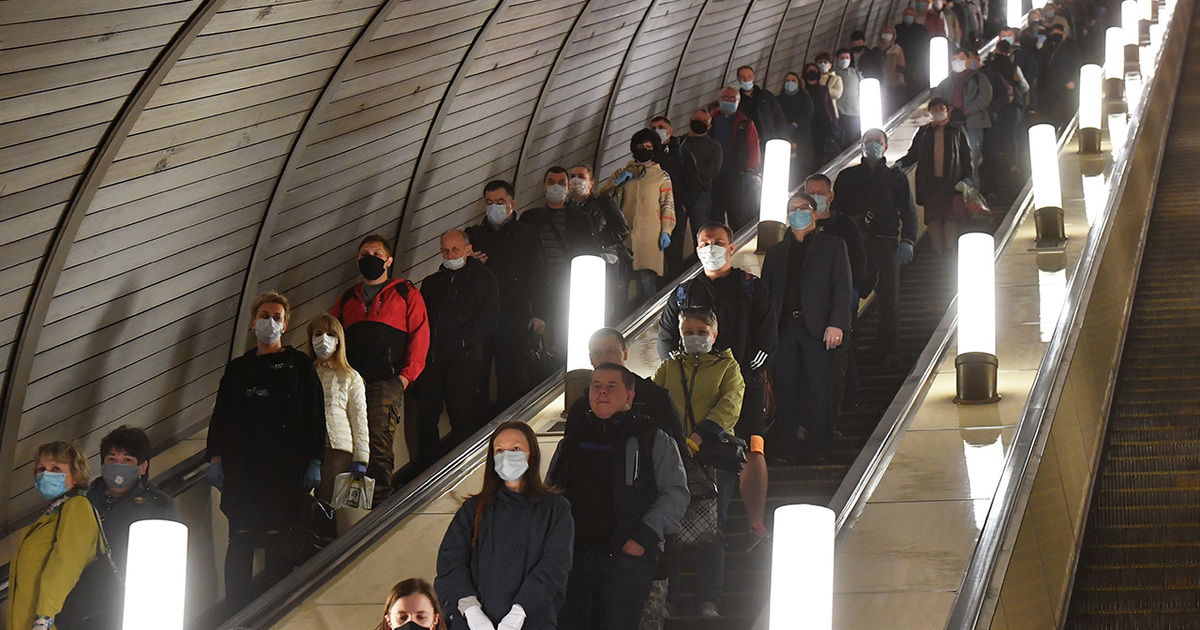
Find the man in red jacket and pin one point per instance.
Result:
(387, 337)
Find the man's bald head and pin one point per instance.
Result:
(455, 244)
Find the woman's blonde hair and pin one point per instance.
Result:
(65, 453)
(330, 324)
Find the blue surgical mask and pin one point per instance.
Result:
(746, 85)
(822, 203)
(51, 485)
(728, 107)
(511, 465)
(791, 87)
(1009, 39)
(908, 19)
(800, 219)
(873, 150)
(497, 213)
(120, 476)
(267, 330)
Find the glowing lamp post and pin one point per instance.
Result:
(585, 316)
(802, 568)
(1047, 190)
(1114, 65)
(155, 575)
(976, 365)
(1016, 13)
(772, 207)
(870, 104)
(1091, 102)
(1131, 29)
(939, 60)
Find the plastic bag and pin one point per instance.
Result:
(351, 492)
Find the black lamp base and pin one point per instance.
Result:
(1051, 230)
(976, 375)
(769, 233)
(1114, 89)
(1131, 56)
(1089, 140)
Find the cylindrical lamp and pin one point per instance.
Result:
(772, 206)
(155, 575)
(976, 366)
(585, 315)
(1091, 101)
(1145, 18)
(939, 60)
(1047, 190)
(1129, 26)
(1016, 14)
(1114, 63)
(870, 105)
(802, 568)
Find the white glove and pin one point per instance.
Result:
(513, 620)
(476, 620)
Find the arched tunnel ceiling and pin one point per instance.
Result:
(163, 161)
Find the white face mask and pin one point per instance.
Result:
(958, 65)
(323, 345)
(843, 63)
(663, 136)
(885, 37)
(579, 186)
(713, 257)
(511, 465)
(267, 330)
(556, 193)
(697, 344)
(939, 115)
(454, 264)
(824, 67)
(497, 213)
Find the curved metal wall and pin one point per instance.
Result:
(162, 161)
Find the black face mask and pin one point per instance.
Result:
(811, 76)
(699, 128)
(371, 267)
(642, 154)
(1056, 38)
(412, 625)
(858, 49)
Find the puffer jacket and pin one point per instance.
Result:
(716, 385)
(345, 411)
(976, 97)
(53, 552)
(648, 203)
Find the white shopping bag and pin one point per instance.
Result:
(351, 492)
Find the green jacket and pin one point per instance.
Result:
(47, 564)
(716, 394)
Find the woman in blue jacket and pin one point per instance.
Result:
(504, 561)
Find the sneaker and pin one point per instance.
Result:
(709, 609)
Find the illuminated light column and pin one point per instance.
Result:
(976, 366)
(1016, 14)
(1114, 65)
(772, 207)
(939, 60)
(1129, 26)
(802, 568)
(155, 575)
(1091, 104)
(1047, 190)
(585, 316)
(870, 105)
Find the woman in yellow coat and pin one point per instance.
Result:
(648, 204)
(56, 548)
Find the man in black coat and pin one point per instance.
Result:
(611, 229)
(463, 302)
(1058, 63)
(808, 276)
(759, 105)
(512, 251)
(880, 202)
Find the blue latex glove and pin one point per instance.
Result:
(904, 253)
(664, 240)
(312, 474)
(215, 475)
(358, 470)
(624, 177)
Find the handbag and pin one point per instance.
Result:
(699, 522)
(351, 492)
(96, 600)
(536, 364)
(970, 203)
(315, 528)
(724, 451)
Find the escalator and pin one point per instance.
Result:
(1140, 556)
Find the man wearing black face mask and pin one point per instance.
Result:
(706, 157)
(387, 338)
(1058, 63)
(122, 495)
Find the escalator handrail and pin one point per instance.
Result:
(1016, 480)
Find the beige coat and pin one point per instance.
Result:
(649, 208)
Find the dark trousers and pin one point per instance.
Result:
(505, 351)
(710, 557)
(606, 591)
(335, 462)
(674, 255)
(884, 270)
(728, 200)
(803, 371)
(645, 285)
(850, 128)
(385, 404)
(457, 386)
(700, 211)
(753, 419)
(240, 588)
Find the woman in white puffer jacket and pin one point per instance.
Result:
(345, 404)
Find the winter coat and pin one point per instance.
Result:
(650, 401)
(716, 385)
(976, 97)
(878, 199)
(50, 558)
(847, 103)
(743, 308)
(759, 106)
(833, 82)
(388, 337)
(267, 424)
(515, 257)
(893, 68)
(648, 204)
(145, 501)
(464, 311)
(514, 552)
(345, 411)
(956, 159)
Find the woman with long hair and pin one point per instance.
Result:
(346, 446)
(56, 548)
(943, 157)
(504, 561)
(412, 605)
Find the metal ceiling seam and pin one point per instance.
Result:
(33, 319)
(737, 40)
(266, 230)
(683, 55)
(775, 42)
(816, 24)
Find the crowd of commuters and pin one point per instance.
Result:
(593, 544)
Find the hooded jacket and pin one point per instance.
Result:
(388, 337)
(716, 385)
(52, 554)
